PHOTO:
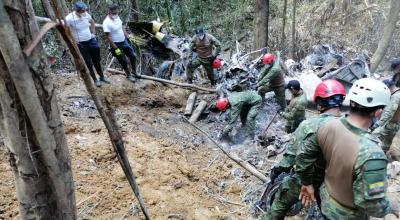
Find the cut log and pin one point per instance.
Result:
(183, 85)
(247, 166)
(197, 112)
(190, 104)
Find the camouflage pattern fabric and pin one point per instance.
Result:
(244, 105)
(205, 62)
(387, 129)
(369, 185)
(264, 84)
(288, 193)
(295, 112)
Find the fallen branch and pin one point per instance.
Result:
(46, 20)
(43, 30)
(183, 85)
(247, 166)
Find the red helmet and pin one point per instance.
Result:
(222, 104)
(268, 58)
(217, 63)
(328, 88)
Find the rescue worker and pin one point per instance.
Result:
(241, 104)
(295, 112)
(84, 32)
(120, 46)
(328, 96)
(203, 43)
(355, 181)
(389, 123)
(271, 79)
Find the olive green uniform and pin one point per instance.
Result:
(244, 105)
(271, 79)
(387, 127)
(205, 55)
(295, 113)
(355, 172)
(288, 193)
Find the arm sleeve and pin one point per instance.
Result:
(388, 114)
(369, 188)
(216, 43)
(268, 76)
(307, 155)
(106, 29)
(234, 115)
(299, 106)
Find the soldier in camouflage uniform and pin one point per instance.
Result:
(241, 104)
(388, 125)
(295, 113)
(271, 79)
(355, 180)
(328, 96)
(203, 44)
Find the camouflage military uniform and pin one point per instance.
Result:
(387, 129)
(205, 56)
(244, 105)
(288, 193)
(271, 79)
(369, 176)
(295, 112)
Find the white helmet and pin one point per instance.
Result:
(369, 93)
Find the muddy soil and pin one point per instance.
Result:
(181, 175)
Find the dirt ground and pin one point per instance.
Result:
(180, 174)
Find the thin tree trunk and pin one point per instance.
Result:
(261, 24)
(30, 120)
(135, 8)
(388, 30)
(294, 30)
(283, 23)
(183, 16)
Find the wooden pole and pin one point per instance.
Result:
(269, 124)
(183, 85)
(247, 166)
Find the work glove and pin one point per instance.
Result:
(118, 52)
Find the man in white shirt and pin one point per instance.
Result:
(83, 30)
(119, 44)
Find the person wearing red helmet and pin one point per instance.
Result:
(240, 104)
(328, 96)
(203, 44)
(271, 79)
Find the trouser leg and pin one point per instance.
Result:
(207, 64)
(193, 64)
(280, 97)
(96, 58)
(85, 51)
(129, 52)
(122, 60)
(251, 119)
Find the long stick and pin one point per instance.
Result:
(251, 169)
(184, 85)
(269, 124)
(106, 112)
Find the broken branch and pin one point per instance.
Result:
(183, 85)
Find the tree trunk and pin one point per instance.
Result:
(390, 26)
(135, 8)
(345, 11)
(283, 24)
(294, 30)
(30, 120)
(261, 24)
(183, 16)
